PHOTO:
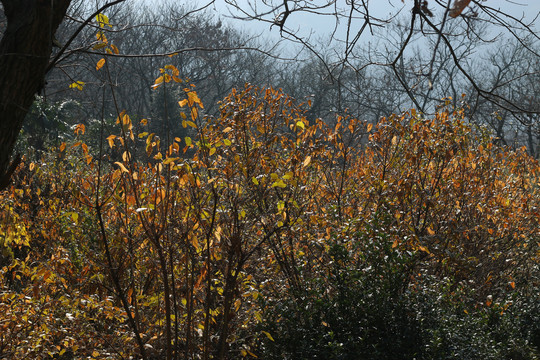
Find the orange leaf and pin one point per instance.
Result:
(100, 63)
(110, 139)
(79, 129)
(115, 49)
(158, 82)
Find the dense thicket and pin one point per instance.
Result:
(264, 234)
(152, 220)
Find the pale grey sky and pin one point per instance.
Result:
(322, 25)
(319, 27)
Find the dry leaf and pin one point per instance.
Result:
(459, 6)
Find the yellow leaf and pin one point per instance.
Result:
(194, 99)
(183, 103)
(170, 160)
(77, 85)
(100, 63)
(430, 231)
(279, 183)
(194, 113)
(126, 120)
(102, 19)
(95, 354)
(307, 160)
(300, 124)
(188, 141)
(98, 46)
(110, 139)
(395, 140)
(122, 167)
(288, 175)
(268, 335)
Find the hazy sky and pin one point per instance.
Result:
(321, 25)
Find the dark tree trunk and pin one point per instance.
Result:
(25, 50)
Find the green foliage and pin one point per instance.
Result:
(373, 309)
(47, 125)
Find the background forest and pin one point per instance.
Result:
(188, 190)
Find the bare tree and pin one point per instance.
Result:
(450, 35)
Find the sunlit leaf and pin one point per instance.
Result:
(110, 139)
(100, 63)
(279, 183)
(157, 83)
(268, 335)
(121, 166)
(102, 20)
(77, 85)
(307, 160)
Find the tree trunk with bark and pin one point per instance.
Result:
(25, 50)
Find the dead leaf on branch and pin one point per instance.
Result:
(459, 6)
